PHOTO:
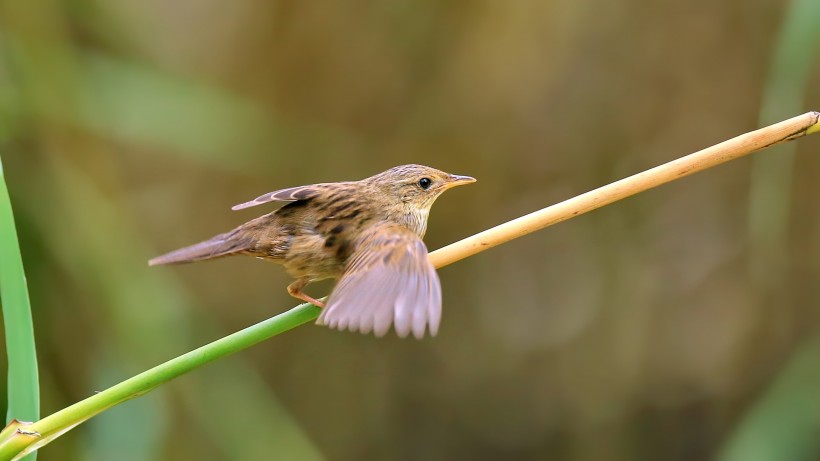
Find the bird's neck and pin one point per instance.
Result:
(414, 219)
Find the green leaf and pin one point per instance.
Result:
(23, 384)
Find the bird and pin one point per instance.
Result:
(367, 234)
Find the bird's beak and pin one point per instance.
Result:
(458, 180)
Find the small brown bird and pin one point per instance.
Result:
(365, 233)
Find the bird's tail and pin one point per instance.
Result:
(216, 247)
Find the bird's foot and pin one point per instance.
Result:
(295, 290)
(313, 301)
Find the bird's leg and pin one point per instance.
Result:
(295, 290)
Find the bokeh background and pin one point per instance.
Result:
(680, 324)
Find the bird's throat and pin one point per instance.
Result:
(415, 220)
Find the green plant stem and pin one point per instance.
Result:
(23, 381)
(149, 379)
(55, 424)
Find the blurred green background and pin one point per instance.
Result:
(680, 324)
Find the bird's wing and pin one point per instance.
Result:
(388, 280)
(291, 194)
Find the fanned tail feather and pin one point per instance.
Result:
(219, 246)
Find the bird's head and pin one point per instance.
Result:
(416, 186)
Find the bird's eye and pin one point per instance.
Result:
(425, 183)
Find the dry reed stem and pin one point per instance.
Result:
(731, 149)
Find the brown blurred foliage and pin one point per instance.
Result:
(666, 326)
